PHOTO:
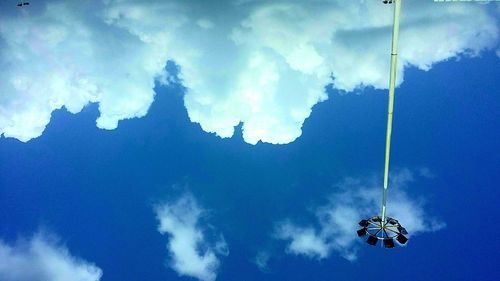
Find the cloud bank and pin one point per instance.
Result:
(42, 258)
(260, 63)
(193, 252)
(337, 221)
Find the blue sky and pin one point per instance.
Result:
(174, 195)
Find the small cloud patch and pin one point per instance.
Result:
(193, 252)
(42, 257)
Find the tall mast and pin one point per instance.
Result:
(392, 85)
(382, 227)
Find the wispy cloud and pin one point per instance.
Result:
(261, 260)
(261, 63)
(336, 222)
(42, 257)
(194, 251)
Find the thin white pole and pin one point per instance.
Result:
(392, 84)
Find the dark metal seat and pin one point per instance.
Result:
(362, 232)
(402, 239)
(372, 240)
(388, 243)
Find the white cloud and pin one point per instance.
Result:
(355, 200)
(426, 173)
(261, 260)
(260, 63)
(42, 258)
(192, 251)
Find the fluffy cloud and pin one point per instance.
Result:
(193, 252)
(59, 54)
(356, 200)
(41, 258)
(261, 260)
(260, 63)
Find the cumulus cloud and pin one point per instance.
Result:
(261, 260)
(193, 251)
(260, 63)
(356, 199)
(43, 258)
